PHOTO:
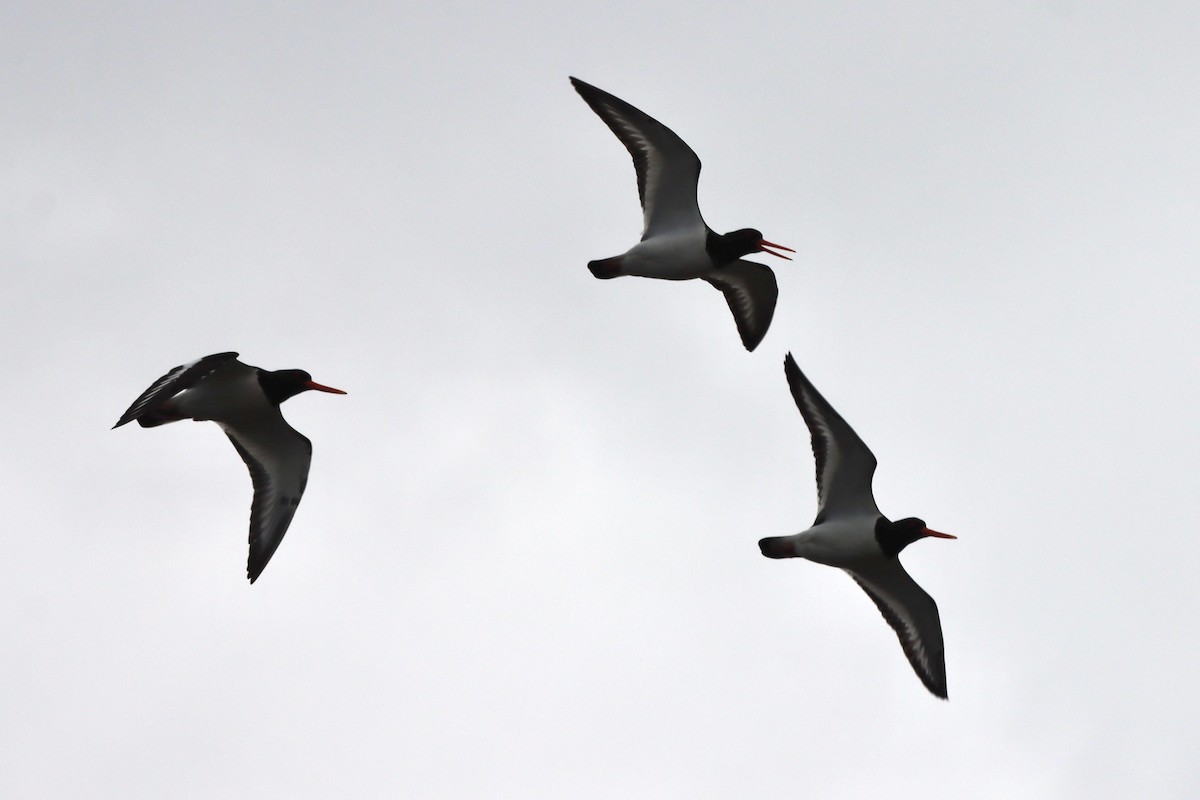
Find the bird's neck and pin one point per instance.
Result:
(275, 388)
(720, 248)
(893, 538)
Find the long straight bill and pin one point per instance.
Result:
(763, 246)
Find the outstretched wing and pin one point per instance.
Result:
(845, 466)
(179, 378)
(667, 169)
(751, 291)
(913, 615)
(278, 457)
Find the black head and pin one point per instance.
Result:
(895, 536)
(735, 244)
(284, 383)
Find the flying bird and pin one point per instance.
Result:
(244, 401)
(676, 243)
(850, 533)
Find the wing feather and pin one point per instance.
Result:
(913, 615)
(845, 467)
(751, 291)
(177, 380)
(278, 457)
(668, 171)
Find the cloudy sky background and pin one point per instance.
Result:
(525, 565)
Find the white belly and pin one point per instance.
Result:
(674, 258)
(843, 543)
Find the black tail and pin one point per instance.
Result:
(606, 268)
(159, 416)
(777, 547)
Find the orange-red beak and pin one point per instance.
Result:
(763, 244)
(321, 388)
(939, 534)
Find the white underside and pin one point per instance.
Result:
(673, 257)
(844, 542)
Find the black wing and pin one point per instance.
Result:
(179, 378)
(278, 457)
(914, 617)
(667, 169)
(751, 291)
(845, 466)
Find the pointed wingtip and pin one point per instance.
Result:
(587, 91)
(583, 89)
(751, 339)
(253, 570)
(790, 367)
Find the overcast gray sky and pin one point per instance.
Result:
(525, 566)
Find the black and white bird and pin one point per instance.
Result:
(244, 401)
(676, 243)
(850, 533)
